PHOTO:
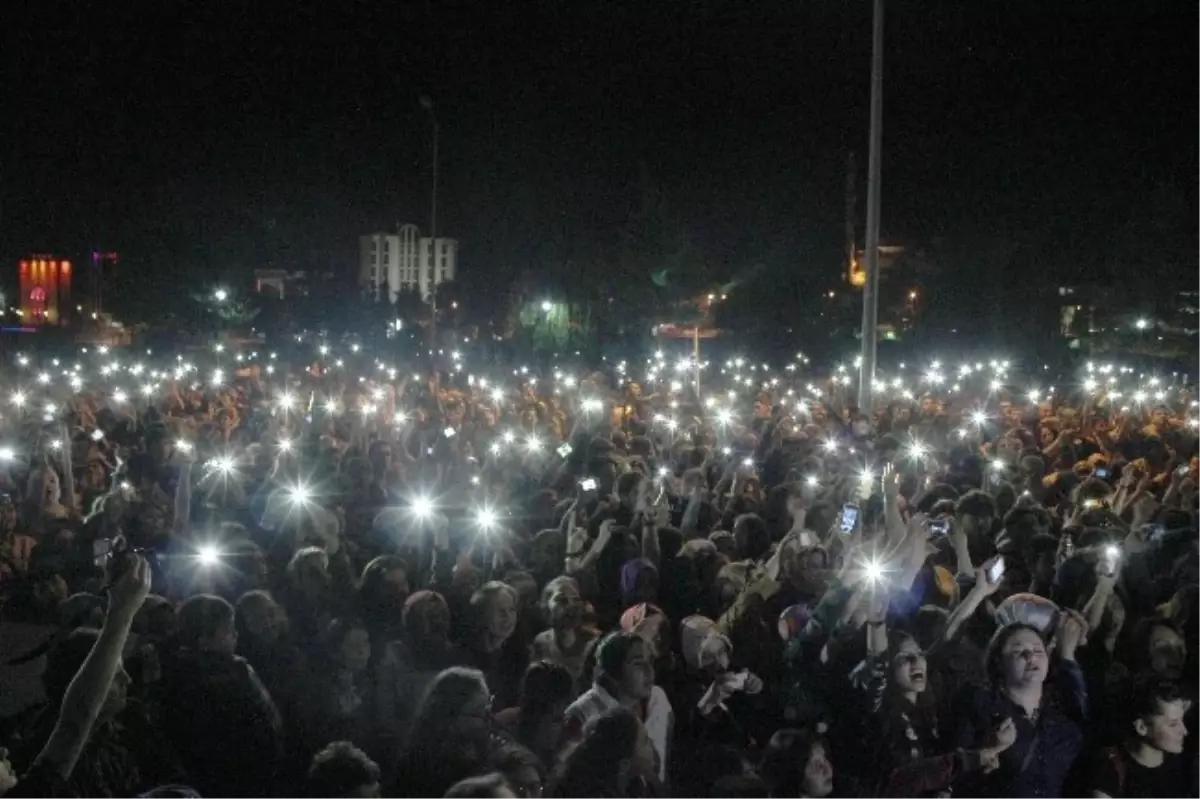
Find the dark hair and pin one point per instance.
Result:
(1139, 641)
(1143, 697)
(611, 653)
(443, 700)
(786, 758)
(482, 787)
(751, 536)
(201, 616)
(338, 769)
(544, 685)
(995, 649)
(976, 503)
(589, 768)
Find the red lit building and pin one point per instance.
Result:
(45, 290)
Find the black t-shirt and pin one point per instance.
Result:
(1169, 779)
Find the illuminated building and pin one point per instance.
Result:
(45, 290)
(405, 261)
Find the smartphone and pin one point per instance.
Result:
(101, 547)
(849, 518)
(938, 526)
(564, 450)
(1100, 472)
(996, 570)
(97, 435)
(448, 432)
(588, 484)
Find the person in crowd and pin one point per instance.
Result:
(537, 722)
(494, 651)
(1149, 761)
(614, 758)
(565, 640)
(341, 769)
(450, 736)
(219, 716)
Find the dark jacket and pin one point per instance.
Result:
(222, 722)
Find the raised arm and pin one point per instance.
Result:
(86, 694)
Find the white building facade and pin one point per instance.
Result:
(390, 263)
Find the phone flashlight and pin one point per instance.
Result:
(564, 450)
(183, 446)
(97, 435)
(422, 507)
(1101, 473)
(849, 517)
(208, 556)
(748, 463)
(996, 570)
(588, 485)
(938, 526)
(448, 432)
(873, 571)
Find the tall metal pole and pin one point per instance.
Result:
(866, 377)
(427, 104)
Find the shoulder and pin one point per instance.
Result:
(1107, 774)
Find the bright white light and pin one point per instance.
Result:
(592, 405)
(119, 396)
(509, 436)
(287, 401)
(663, 471)
(221, 295)
(148, 389)
(422, 507)
(873, 571)
(918, 450)
(1089, 384)
(7, 454)
(998, 466)
(18, 399)
(1139, 396)
(994, 385)
(811, 481)
(547, 305)
(497, 396)
(533, 443)
(1142, 324)
(486, 518)
(978, 418)
(299, 494)
(671, 424)
(217, 377)
(399, 418)
(324, 349)
(44, 378)
(724, 416)
(285, 445)
(56, 444)
(183, 445)
(830, 445)
(219, 348)
(569, 381)
(1034, 394)
(208, 556)
(866, 476)
(224, 464)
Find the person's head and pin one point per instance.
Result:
(1017, 657)
(347, 645)
(624, 666)
(495, 609)
(975, 511)
(521, 769)
(546, 690)
(1155, 711)
(454, 717)
(260, 617)
(751, 536)
(64, 661)
(627, 488)
(486, 786)
(1158, 648)
(206, 624)
(909, 671)
(796, 763)
(426, 618)
(383, 586)
(562, 604)
(343, 770)
(615, 750)
(308, 570)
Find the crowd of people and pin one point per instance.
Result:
(348, 579)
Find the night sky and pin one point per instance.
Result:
(222, 140)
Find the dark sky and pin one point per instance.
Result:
(196, 133)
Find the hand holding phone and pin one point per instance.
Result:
(849, 518)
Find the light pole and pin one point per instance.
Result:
(866, 375)
(427, 104)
